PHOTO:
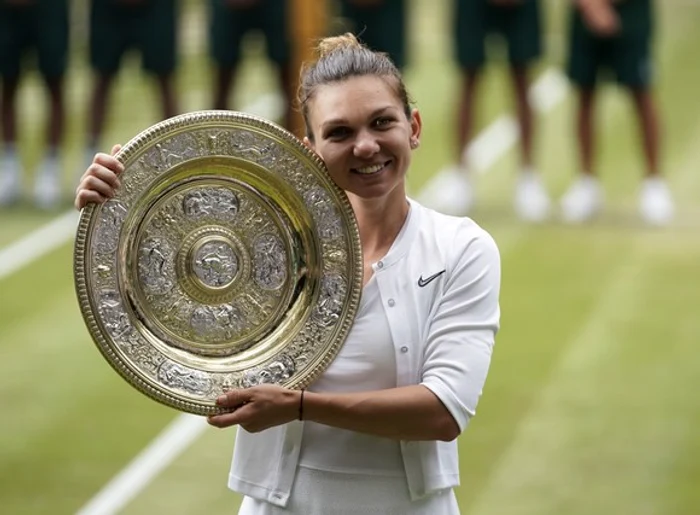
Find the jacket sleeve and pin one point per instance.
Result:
(461, 334)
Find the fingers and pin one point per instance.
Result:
(116, 148)
(101, 180)
(235, 398)
(237, 417)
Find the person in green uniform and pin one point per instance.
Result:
(41, 26)
(229, 22)
(380, 24)
(518, 24)
(116, 26)
(614, 39)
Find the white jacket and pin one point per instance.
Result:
(443, 332)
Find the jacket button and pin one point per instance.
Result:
(380, 264)
(404, 349)
(391, 303)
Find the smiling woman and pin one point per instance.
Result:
(376, 432)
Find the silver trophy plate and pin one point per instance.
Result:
(227, 259)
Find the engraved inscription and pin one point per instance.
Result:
(270, 261)
(215, 264)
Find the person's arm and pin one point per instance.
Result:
(600, 16)
(457, 358)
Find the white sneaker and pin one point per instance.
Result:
(47, 185)
(450, 192)
(583, 200)
(655, 202)
(531, 199)
(10, 184)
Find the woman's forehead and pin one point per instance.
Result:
(354, 94)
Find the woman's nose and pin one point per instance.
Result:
(366, 145)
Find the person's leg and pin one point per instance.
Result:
(99, 103)
(584, 197)
(585, 129)
(13, 40)
(157, 41)
(110, 31)
(466, 112)
(524, 113)
(656, 204)
(649, 125)
(272, 17)
(10, 168)
(47, 184)
(227, 26)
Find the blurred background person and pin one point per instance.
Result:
(116, 26)
(41, 26)
(380, 24)
(518, 23)
(614, 37)
(229, 22)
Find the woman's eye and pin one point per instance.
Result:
(337, 133)
(383, 122)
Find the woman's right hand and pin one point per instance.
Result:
(100, 181)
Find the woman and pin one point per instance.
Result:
(376, 433)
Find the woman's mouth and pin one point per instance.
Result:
(372, 169)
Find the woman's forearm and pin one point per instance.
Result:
(406, 413)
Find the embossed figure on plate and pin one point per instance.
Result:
(270, 262)
(156, 270)
(109, 224)
(217, 323)
(219, 202)
(215, 264)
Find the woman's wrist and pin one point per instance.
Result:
(301, 404)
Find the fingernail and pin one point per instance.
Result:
(221, 399)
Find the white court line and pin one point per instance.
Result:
(126, 485)
(546, 93)
(38, 243)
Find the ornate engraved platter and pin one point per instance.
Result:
(227, 259)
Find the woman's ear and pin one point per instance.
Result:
(416, 124)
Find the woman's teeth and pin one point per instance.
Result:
(370, 169)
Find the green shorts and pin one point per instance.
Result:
(626, 57)
(520, 26)
(150, 28)
(228, 26)
(381, 28)
(42, 27)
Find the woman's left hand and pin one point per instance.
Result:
(257, 408)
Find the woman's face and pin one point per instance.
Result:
(362, 133)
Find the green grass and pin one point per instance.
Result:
(590, 405)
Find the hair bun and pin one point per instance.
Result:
(335, 43)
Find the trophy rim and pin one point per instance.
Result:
(199, 119)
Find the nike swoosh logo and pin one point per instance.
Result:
(424, 282)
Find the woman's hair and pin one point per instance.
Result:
(342, 57)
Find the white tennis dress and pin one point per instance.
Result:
(349, 473)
